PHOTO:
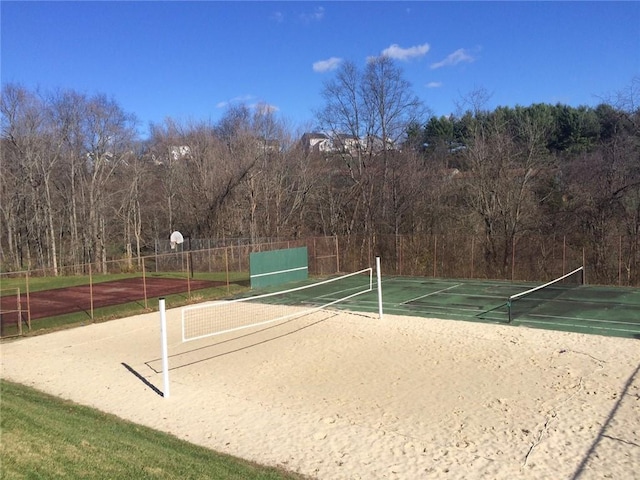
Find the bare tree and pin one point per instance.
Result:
(391, 106)
(604, 187)
(32, 141)
(375, 109)
(505, 158)
(107, 134)
(207, 164)
(137, 179)
(280, 181)
(13, 185)
(168, 152)
(391, 109)
(66, 111)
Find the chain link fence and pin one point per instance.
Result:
(534, 258)
(614, 261)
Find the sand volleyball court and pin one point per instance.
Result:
(337, 395)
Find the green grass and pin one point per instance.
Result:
(43, 437)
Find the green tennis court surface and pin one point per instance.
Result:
(612, 311)
(586, 309)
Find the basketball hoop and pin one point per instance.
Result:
(175, 239)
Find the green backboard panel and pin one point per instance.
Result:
(278, 266)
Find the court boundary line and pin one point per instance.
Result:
(430, 293)
(605, 325)
(562, 327)
(259, 330)
(462, 316)
(470, 281)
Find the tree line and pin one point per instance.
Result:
(78, 185)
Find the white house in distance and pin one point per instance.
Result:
(342, 142)
(317, 141)
(180, 151)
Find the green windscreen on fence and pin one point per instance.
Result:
(278, 266)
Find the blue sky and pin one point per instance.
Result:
(190, 60)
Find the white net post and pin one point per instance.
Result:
(379, 277)
(165, 353)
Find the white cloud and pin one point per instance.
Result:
(397, 52)
(277, 17)
(264, 108)
(318, 13)
(316, 16)
(322, 66)
(460, 55)
(434, 85)
(239, 99)
(250, 101)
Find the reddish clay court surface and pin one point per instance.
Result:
(60, 301)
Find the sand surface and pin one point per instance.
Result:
(348, 396)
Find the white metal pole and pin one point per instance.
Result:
(165, 355)
(379, 286)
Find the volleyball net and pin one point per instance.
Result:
(219, 317)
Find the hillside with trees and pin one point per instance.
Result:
(79, 186)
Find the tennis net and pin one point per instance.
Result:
(216, 318)
(523, 302)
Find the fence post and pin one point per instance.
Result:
(400, 256)
(314, 249)
(513, 258)
(337, 254)
(91, 290)
(19, 306)
(435, 254)
(189, 275)
(379, 278)
(564, 254)
(473, 243)
(144, 285)
(620, 262)
(28, 301)
(226, 266)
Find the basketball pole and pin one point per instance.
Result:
(165, 355)
(379, 275)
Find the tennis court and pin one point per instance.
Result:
(573, 307)
(585, 309)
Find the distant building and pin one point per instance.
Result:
(179, 151)
(319, 142)
(344, 143)
(269, 146)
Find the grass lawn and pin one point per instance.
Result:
(43, 437)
